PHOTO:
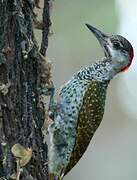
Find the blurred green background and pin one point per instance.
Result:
(72, 44)
(112, 154)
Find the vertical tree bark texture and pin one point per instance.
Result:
(24, 75)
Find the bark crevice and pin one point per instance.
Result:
(24, 75)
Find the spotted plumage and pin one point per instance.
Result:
(90, 116)
(80, 106)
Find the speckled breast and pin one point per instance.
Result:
(90, 117)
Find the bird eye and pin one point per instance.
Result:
(116, 45)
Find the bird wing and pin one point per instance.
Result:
(90, 116)
(62, 133)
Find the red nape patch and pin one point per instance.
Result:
(131, 59)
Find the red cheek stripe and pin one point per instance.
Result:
(131, 59)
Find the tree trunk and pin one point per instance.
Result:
(24, 77)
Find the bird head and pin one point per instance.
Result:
(117, 48)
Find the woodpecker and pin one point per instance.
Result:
(80, 106)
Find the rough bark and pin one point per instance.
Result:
(24, 77)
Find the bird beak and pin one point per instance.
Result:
(102, 38)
